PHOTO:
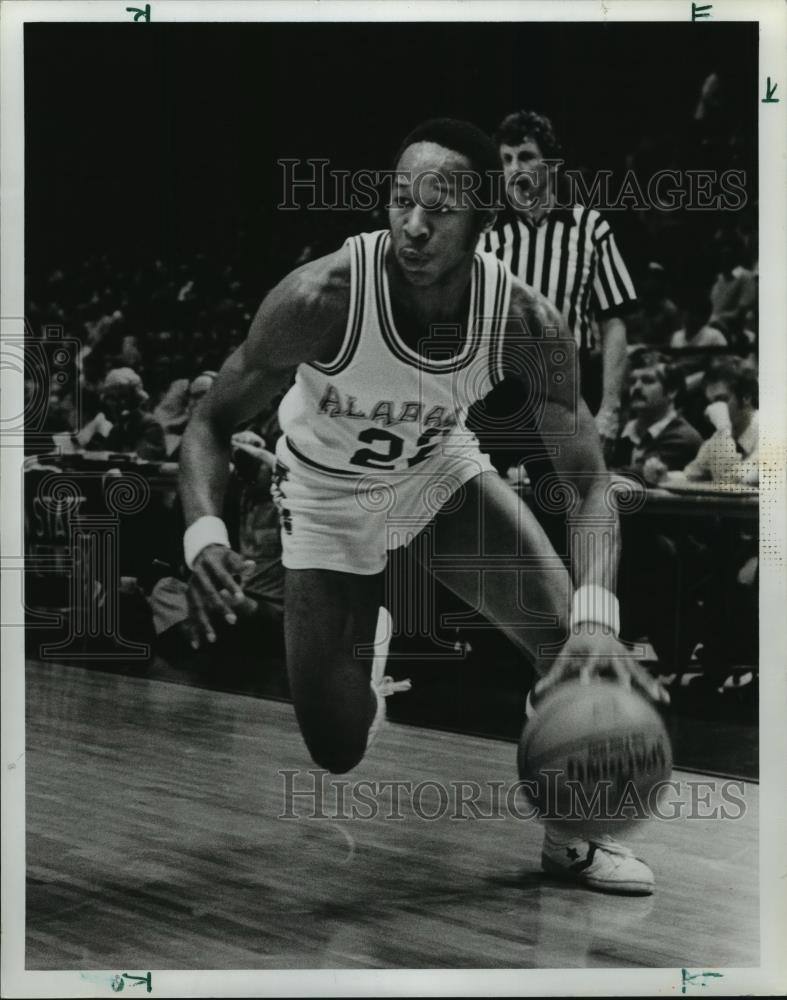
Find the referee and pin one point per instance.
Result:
(569, 254)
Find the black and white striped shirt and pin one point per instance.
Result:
(570, 257)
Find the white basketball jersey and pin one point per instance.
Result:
(380, 404)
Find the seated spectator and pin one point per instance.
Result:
(195, 390)
(728, 566)
(750, 325)
(656, 318)
(160, 374)
(730, 455)
(734, 291)
(199, 387)
(172, 413)
(61, 407)
(130, 355)
(656, 436)
(697, 331)
(259, 533)
(122, 424)
(260, 613)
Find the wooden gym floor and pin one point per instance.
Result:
(154, 841)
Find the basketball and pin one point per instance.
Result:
(596, 753)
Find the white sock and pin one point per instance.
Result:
(382, 642)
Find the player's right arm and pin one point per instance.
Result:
(302, 319)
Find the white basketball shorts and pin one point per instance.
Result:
(350, 523)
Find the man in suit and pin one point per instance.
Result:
(656, 436)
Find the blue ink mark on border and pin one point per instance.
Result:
(769, 92)
(697, 10)
(687, 978)
(118, 983)
(140, 13)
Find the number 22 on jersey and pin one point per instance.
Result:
(391, 447)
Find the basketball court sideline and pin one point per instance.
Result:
(161, 832)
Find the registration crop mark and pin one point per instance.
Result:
(687, 978)
(119, 982)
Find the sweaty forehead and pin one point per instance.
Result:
(423, 157)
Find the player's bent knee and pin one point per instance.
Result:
(337, 760)
(337, 751)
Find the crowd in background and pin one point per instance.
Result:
(168, 318)
(154, 333)
(170, 321)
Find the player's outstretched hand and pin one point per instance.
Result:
(585, 656)
(214, 591)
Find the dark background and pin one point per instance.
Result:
(160, 138)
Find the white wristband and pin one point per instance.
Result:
(207, 530)
(594, 603)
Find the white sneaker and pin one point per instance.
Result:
(602, 863)
(383, 686)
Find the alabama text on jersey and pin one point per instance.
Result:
(380, 404)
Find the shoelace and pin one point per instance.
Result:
(603, 843)
(388, 686)
(611, 846)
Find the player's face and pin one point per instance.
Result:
(647, 398)
(526, 174)
(433, 228)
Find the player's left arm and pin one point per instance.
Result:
(592, 646)
(567, 425)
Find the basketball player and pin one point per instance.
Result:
(392, 337)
